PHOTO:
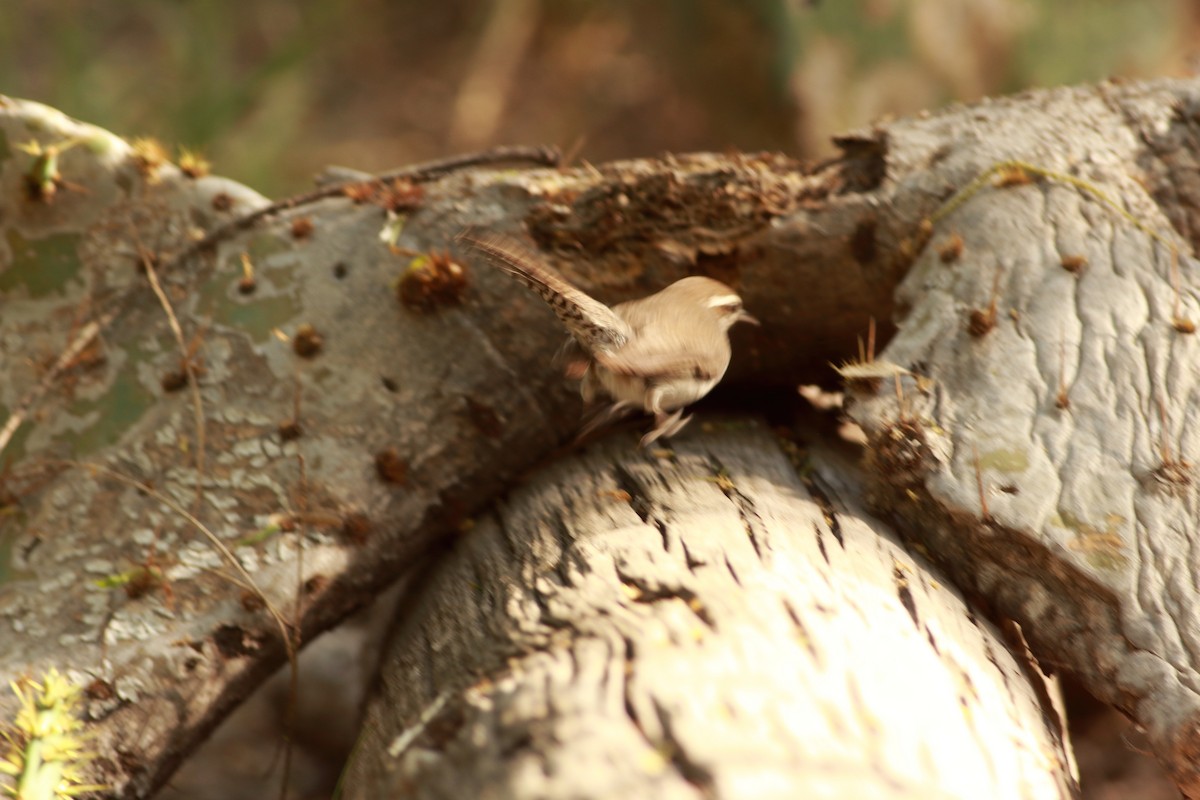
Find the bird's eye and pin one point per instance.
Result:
(726, 304)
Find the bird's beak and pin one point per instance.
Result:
(744, 317)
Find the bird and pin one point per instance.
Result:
(658, 354)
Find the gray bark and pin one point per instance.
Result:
(1089, 554)
(1048, 460)
(708, 622)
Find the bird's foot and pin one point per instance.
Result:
(666, 425)
(602, 417)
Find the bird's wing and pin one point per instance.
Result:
(594, 325)
(656, 367)
(667, 343)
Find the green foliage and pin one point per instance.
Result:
(264, 89)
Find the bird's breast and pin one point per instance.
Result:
(680, 392)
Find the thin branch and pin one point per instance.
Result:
(418, 173)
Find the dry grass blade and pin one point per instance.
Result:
(186, 364)
(76, 346)
(214, 540)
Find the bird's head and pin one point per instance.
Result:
(715, 297)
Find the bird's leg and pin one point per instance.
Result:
(666, 425)
(662, 420)
(603, 416)
(679, 422)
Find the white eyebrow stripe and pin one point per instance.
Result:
(724, 300)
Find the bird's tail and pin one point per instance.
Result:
(593, 324)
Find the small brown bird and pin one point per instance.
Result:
(658, 354)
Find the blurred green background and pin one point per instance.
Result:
(272, 90)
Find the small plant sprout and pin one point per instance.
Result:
(399, 195)
(866, 372)
(192, 164)
(145, 578)
(148, 156)
(393, 226)
(45, 743)
(432, 280)
(43, 180)
(396, 195)
(247, 284)
(867, 377)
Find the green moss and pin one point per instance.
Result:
(42, 266)
(257, 318)
(1007, 461)
(1101, 548)
(255, 314)
(114, 412)
(13, 521)
(1107, 560)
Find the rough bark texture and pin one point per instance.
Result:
(703, 623)
(1047, 459)
(411, 419)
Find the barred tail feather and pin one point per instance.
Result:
(594, 325)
